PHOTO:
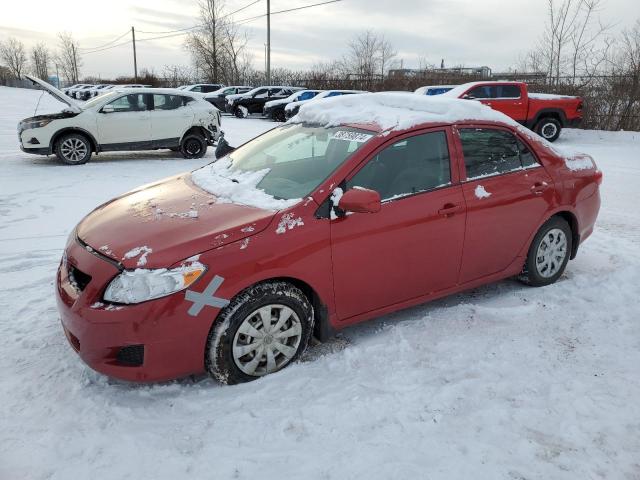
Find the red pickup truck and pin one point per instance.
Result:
(545, 114)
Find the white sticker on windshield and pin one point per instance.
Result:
(351, 136)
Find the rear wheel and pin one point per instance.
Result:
(279, 116)
(549, 129)
(73, 149)
(193, 146)
(261, 331)
(549, 253)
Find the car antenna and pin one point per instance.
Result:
(38, 104)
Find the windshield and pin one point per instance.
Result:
(287, 163)
(97, 100)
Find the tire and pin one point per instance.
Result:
(241, 112)
(73, 149)
(549, 129)
(231, 333)
(279, 116)
(193, 145)
(548, 254)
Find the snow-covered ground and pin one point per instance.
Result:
(503, 382)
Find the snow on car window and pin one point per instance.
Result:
(284, 165)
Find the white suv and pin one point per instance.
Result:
(140, 119)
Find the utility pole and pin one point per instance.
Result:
(135, 60)
(268, 42)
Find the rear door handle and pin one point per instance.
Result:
(450, 209)
(539, 188)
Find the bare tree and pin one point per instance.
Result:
(387, 55)
(573, 43)
(40, 61)
(204, 42)
(176, 75)
(69, 57)
(13, 54)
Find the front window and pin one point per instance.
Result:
(129, 103)
(292, 161)
(98, 100)
(413, 165)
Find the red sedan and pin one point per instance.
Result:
(357, 208)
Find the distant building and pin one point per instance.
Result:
(482, 72)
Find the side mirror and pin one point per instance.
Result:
(360, 200)
(108, 109)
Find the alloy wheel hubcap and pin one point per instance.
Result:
(193, 147)
(267, 340)
(549, 130)
(73, 149)
(552, 252)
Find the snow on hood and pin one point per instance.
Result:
(57, 94)
(394, 111)
(159, 224)
(236, 186)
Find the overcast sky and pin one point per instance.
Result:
(469, 32)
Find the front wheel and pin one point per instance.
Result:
(549, 129)
(549, 253)
(262, 330)
(73, 149)
(193, 146)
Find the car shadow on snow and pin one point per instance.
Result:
(120, 157)
(490, 295)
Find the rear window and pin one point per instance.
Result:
(489, 152)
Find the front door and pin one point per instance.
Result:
(413, 246)
(125, 120)
(508, 194)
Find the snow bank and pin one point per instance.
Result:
(394, 111)
(236, 186)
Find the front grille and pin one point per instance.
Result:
(131, 355)
(78, 278)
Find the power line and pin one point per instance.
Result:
(108, 48)
(250, 19)
(106, 44)
(200, 25)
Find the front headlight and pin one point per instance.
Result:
(136, 286)
(36, 124)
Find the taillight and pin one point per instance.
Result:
(580, 105)
(599, 176)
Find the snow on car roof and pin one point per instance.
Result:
(394, 111)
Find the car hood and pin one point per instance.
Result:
(160, 224)
(55, 93)
(274, 103)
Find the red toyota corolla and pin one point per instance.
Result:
(356, 208)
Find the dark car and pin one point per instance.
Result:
(253, 101)
(292, 109)
(274, 109)
(202, 87)
(218, 98)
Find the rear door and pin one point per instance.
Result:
(506, 98)
(170, 118)
(125, 120)
(507, 194)
(413, 246)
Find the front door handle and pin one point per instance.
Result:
(450, 209)
(539, 188)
